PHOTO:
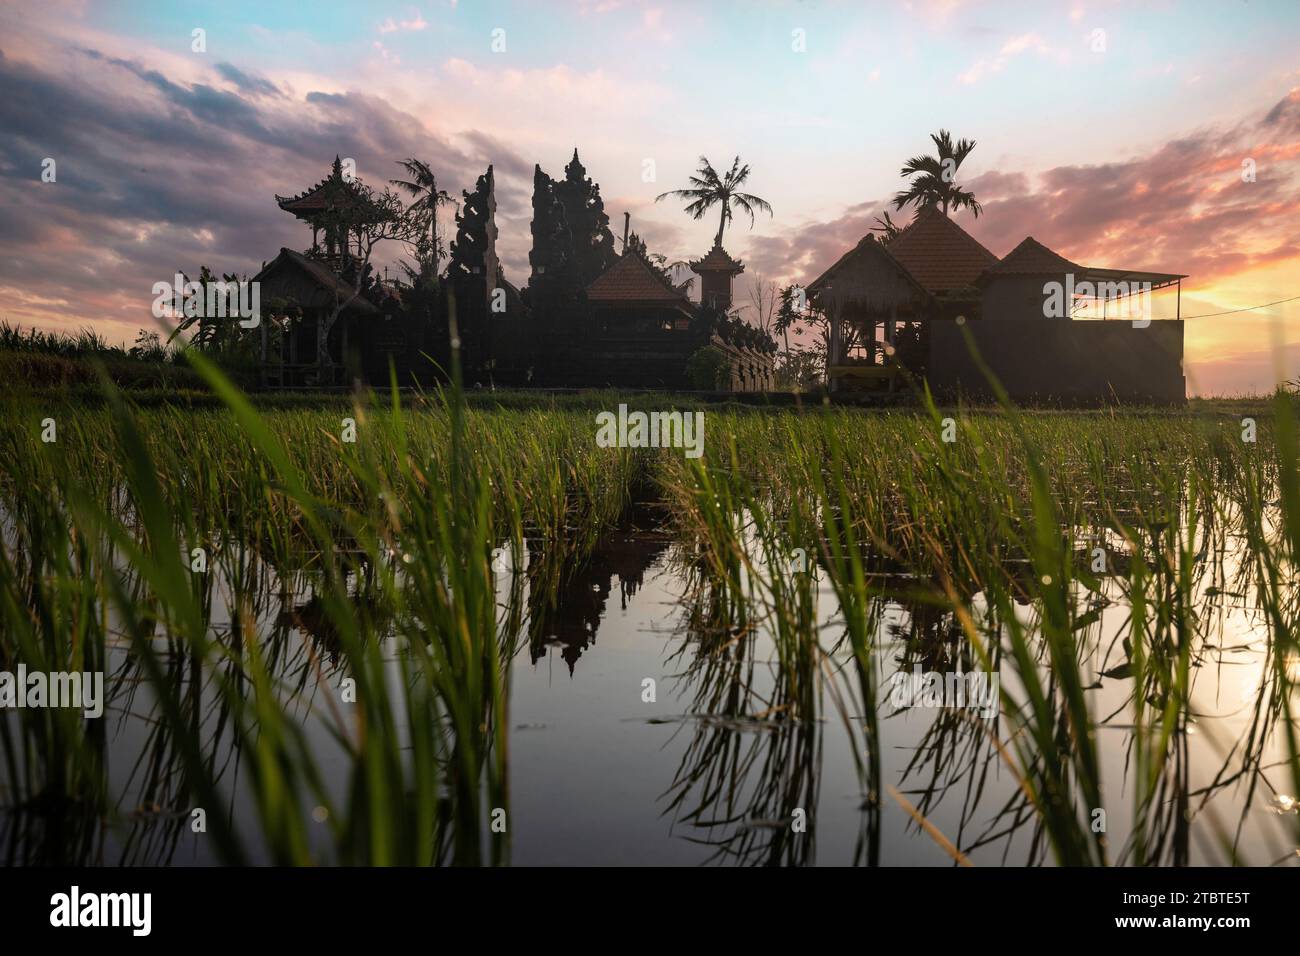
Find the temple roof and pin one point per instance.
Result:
(632, 281)
(941, 255)
(718, 260)
(331, 192)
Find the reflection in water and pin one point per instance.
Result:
(568, 614)
(755, 734)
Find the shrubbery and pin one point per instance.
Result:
(708, 369)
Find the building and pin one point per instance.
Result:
(589, 318)
(641, 331)
(327, 320)
(716, 271)
(926, 303)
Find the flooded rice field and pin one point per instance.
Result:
(479, 638)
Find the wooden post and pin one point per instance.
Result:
(343, 347)
(322, 349)
(261, 367)
(833, 346)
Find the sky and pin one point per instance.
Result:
(1115, 133)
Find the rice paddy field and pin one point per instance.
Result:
(472, 636)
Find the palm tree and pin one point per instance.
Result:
(423, 186)
(709, 189)
(887, 227)
(937, 183)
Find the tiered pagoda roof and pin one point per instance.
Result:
(718, 260)
(332, 192)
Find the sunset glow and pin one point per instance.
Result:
(1128, 156)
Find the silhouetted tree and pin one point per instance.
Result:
(422, 187)
(708, 189)
(935, 182)
(814, 322)
(370, 218)
(887, 227)
(763, 296)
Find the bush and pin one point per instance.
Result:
(709, 370)
(35, 370)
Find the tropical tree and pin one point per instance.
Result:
(660, 263)
(809, 322)
(423, 189)
(373, 217)
(708, 189)
(887, 228)
(935, 182)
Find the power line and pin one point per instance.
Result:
(1266, 305)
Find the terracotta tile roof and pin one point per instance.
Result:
(940, 254)
(631, 281)
(717, 260)
(1032, 258)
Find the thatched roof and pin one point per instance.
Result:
(312, 284)
(856, 278)
(1032, 258)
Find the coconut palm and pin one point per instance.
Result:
(709, 189)
(888, 229)
(936, 184)
(423, 187)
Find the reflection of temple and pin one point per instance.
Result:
(569, 616)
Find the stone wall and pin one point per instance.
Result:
(750, 371)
